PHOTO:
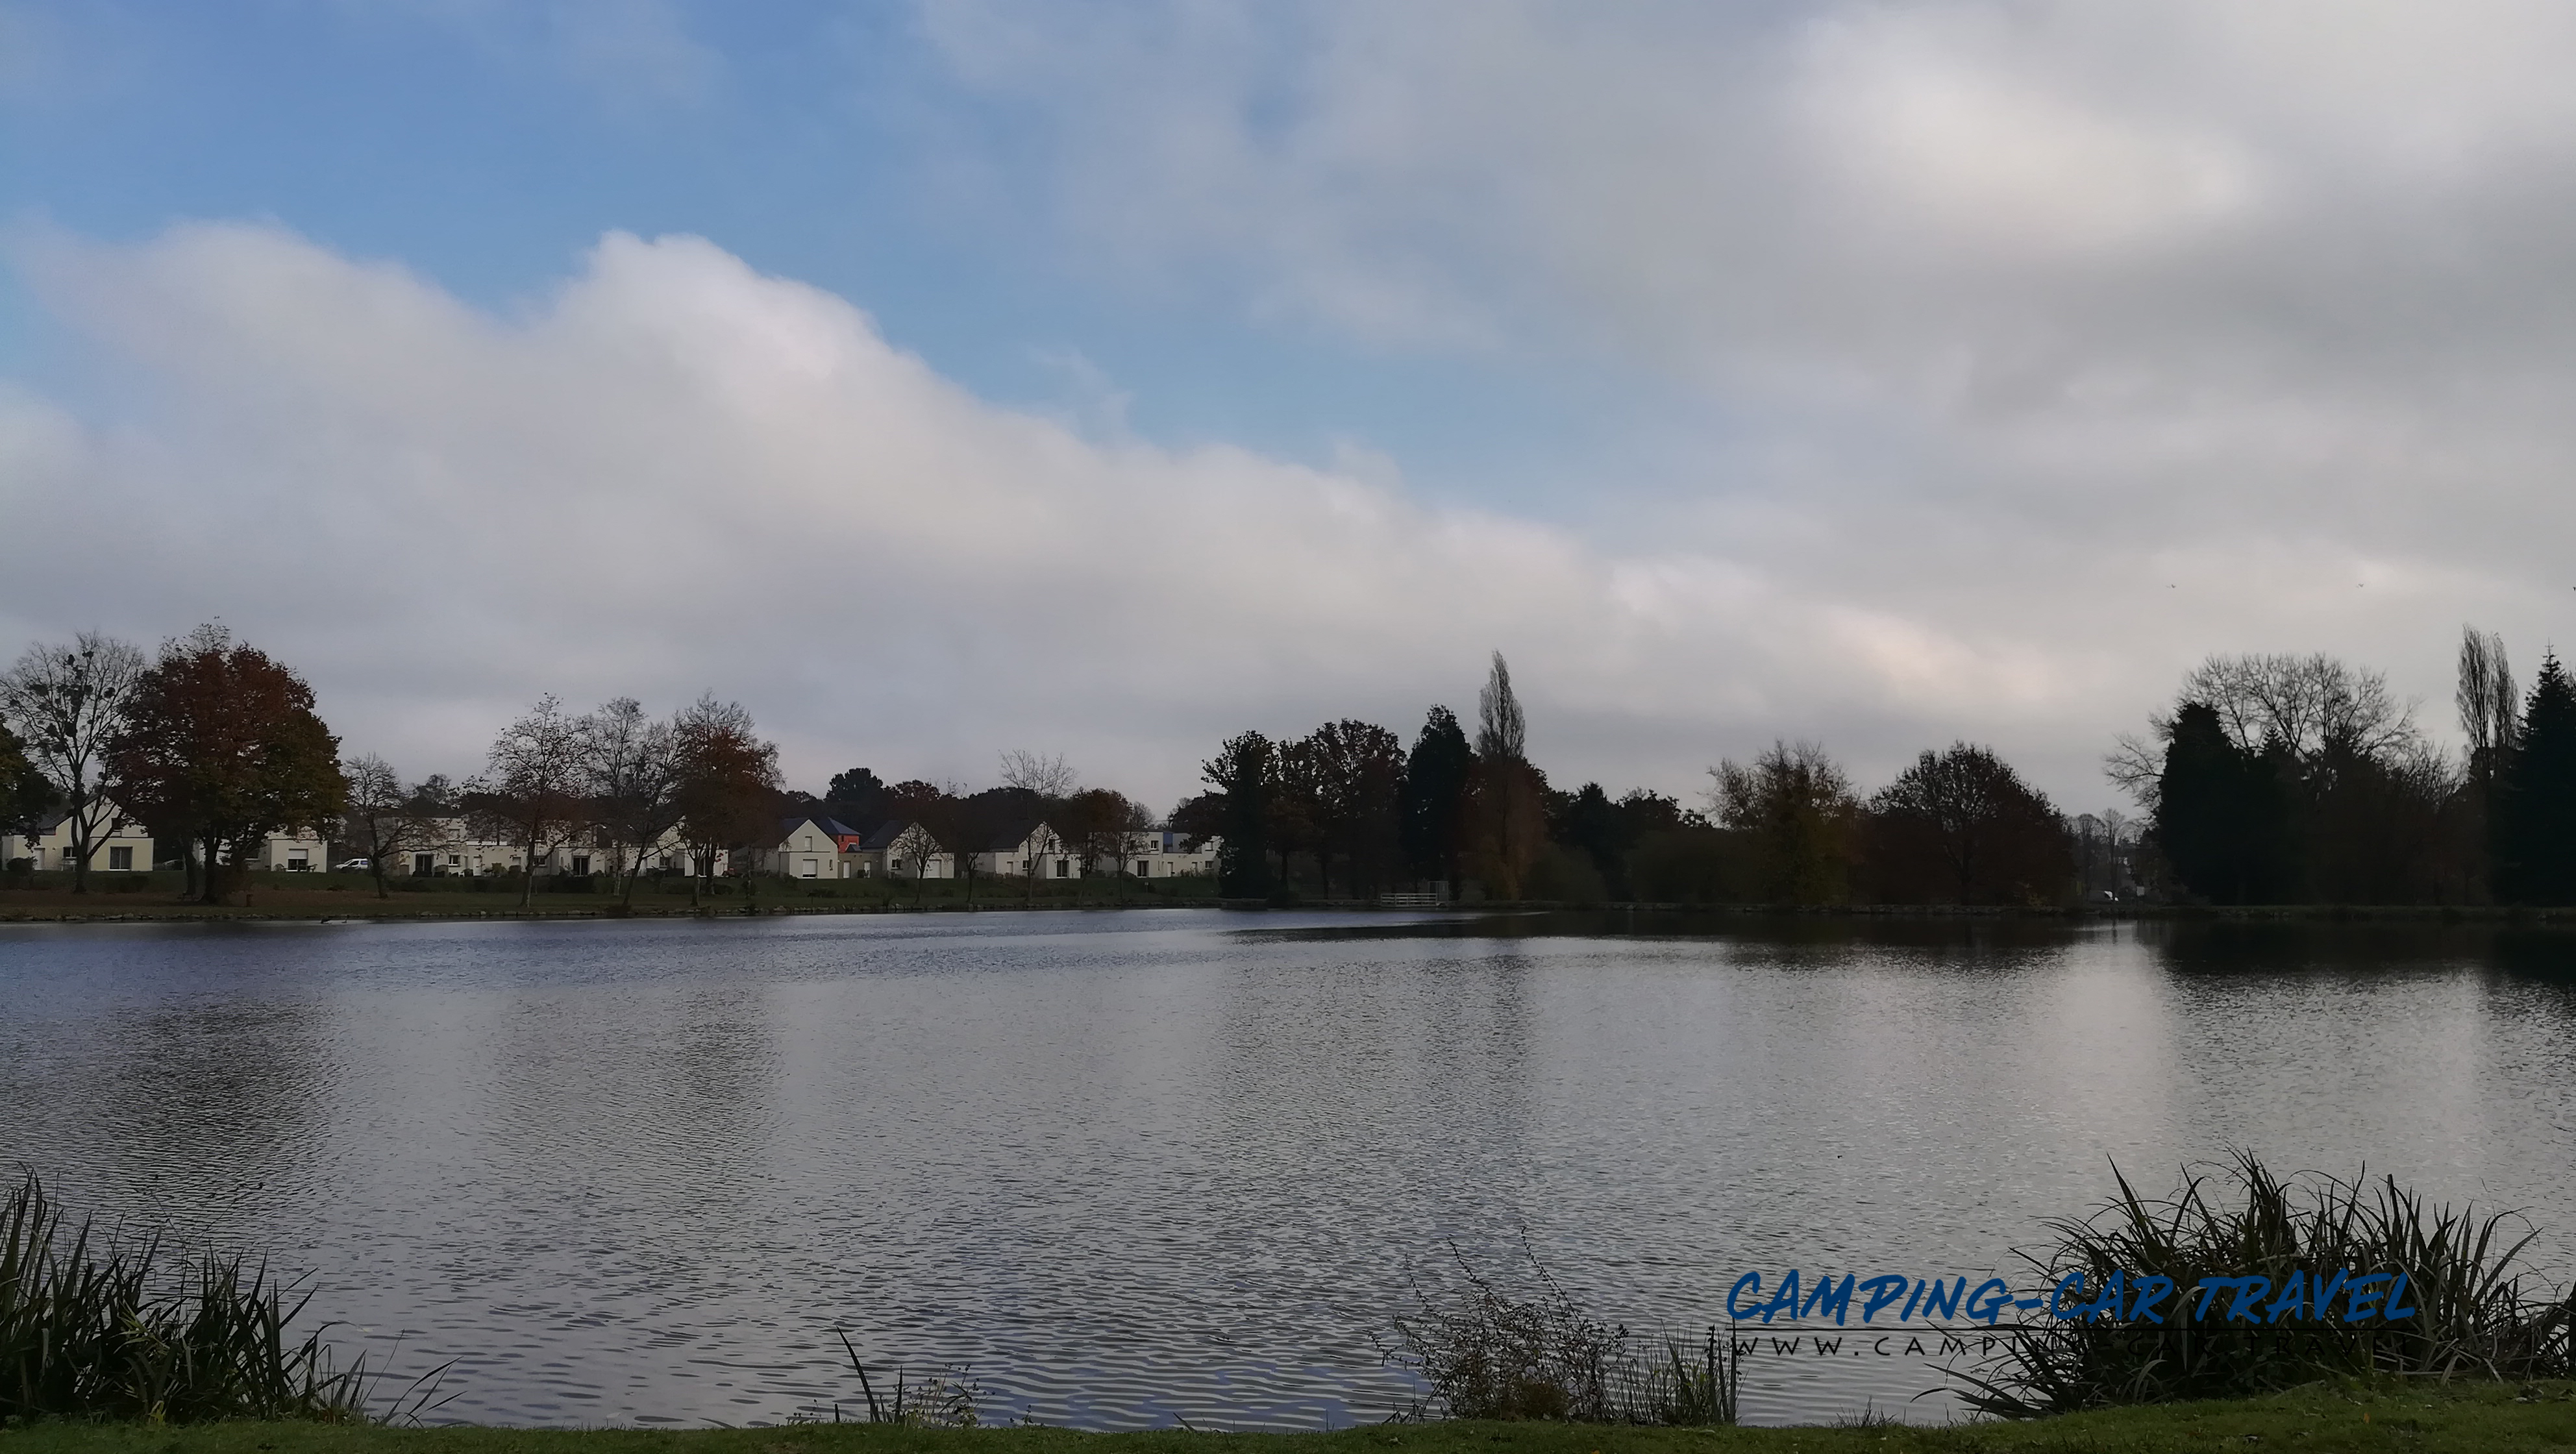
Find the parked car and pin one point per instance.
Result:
(352, 865)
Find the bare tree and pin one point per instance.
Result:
(533, 780)
(961, 824)
(69, 703)
(384, 819)
(1050, 778)
(917, 845)
(2304, 704)
(634, 784)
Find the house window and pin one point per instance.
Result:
(454, 859)
(424, 864)
(297, 862)
(581, 863)
(1143, 868)
(121, 858)
(70, 859)
(1063, 867)
(808, 868)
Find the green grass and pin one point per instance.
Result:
(2430, 1419)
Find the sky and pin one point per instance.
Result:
(957, 376)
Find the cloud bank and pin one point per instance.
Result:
(676, 473)
(2043, 349)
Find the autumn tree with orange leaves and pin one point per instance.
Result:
(222, 747)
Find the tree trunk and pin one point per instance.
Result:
(80, 837)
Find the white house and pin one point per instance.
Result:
(1162, 853)
(1026, 849)
(449, 846)
(298, 852)
(124, 848)
(813, 847)
(898, 848)
(582, 854)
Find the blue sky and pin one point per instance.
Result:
(1878, 373)
(487, 145)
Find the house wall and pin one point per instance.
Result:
(52, 850)
(807, 852)
(303, 851)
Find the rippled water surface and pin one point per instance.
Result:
(1137, 1167)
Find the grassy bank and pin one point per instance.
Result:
(2491, 1418)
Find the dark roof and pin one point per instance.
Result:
(1006, 839)
(885, 835)
(833, 826)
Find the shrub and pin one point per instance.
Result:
(94, 1327)
(1679, 866)
(1560, 876)
(2475, 1314)
(1488, 1355)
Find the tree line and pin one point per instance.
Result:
(211, 745)
(2302, 779)
(1348, 807)
(2271, 779)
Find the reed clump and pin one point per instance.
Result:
(2478, 1310)
(1485, 1354)
(93, 1326)
(938, 1401)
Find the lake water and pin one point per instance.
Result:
(1136, 1168)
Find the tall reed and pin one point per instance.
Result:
(2477, 1314)
(97, 1327)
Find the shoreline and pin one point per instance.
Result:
(2434, 1418)
(51, 907)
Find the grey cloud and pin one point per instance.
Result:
(2061, 307)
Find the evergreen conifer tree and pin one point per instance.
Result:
(2537, 842)
(2224, 815)
(1244, 771)
(1434, 809)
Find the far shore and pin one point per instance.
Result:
(354, 901)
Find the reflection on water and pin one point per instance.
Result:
(1133, 1168)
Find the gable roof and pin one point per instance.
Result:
(885, 835)
(1016, 836)
(832, 827)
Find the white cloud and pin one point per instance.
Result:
(2053, 345)
(677, 473)
(2158, 326)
